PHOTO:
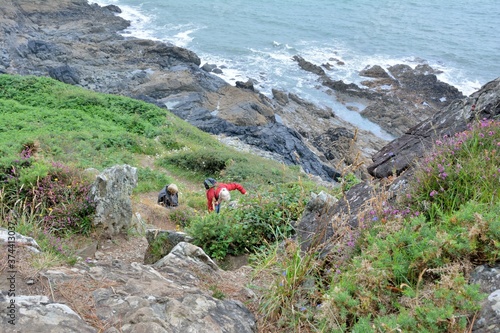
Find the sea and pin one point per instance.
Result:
(257, 40)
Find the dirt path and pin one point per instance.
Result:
(132, 247)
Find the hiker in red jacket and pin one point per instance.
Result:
(218, 192)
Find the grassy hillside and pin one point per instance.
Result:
(51, 132)
(404, 270)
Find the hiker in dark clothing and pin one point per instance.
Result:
(169, 196)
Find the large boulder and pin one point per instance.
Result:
(111, 193)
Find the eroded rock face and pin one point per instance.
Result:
(401, 153)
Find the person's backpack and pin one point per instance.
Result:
(209, 182)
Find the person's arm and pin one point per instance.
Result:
(236, 186)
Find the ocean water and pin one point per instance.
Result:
(257, 39)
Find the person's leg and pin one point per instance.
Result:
(217, 208)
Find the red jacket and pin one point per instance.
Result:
(213, 192)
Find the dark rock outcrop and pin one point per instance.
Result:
(396, 98)
(402, 152)
(78, 43)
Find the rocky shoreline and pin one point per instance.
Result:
(80, 44)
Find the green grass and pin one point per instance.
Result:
(407, 270)
(50, 132)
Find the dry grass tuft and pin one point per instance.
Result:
(78, 294)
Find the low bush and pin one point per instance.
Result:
(259, 219)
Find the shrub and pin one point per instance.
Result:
(256, 221)
(56, 193)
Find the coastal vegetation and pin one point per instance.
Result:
(405, 269)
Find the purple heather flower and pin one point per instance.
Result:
(433, 193)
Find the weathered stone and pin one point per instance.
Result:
(375, 72)
(161, 242)
(312, 228)
(111, 192)
(34, 314)
(6, 237)
(488, 318)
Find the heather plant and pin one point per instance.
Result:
(461, 168)
(54, 193)
(65, 196)
(407, 267)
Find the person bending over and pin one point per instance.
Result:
(218, 192)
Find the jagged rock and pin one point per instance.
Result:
(308, 66)
(399, 97)
(161, 242)
(209, 67)
(375, 72)
(311, 230)
(172, 297)
(186, 255)
(245, 85)
(65, 74)
(401, 153)
(323, 216)
(111, 192)
(280, 96)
